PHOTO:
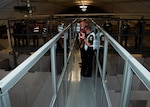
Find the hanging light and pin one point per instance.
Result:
(83, 8)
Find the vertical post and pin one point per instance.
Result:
(65, 64)
(126, 88)
(96, 69)
(8, 35)
(70, 38)
(104, 69)
(120, 32)
(53, 70)
(5, 102)
(101, 94)
(105, 58)
(65, 49)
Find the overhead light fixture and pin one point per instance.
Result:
(83, 8)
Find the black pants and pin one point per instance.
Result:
(35, 41)
(87, 62)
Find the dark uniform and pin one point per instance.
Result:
(107, 27)
(88, 55)
(36, 32)
(140, 30)
(44, 33)
(17, 34)
(125, 31)
(24, 34)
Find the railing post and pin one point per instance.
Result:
(53, 71)
(105, 58)
(5, 102)
(96, 68)
(65, 63)
(126, 88)
(104, 69)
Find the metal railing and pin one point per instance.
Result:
(19, 72)
(131, 66)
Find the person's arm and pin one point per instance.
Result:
(87, 43)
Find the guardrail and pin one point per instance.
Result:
(131, 66)
(15, 75)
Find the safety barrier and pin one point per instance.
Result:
(131, 67)
(15, 76)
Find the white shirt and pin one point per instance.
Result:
(88, 38)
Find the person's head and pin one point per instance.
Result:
(106, 21)
(88, 29)
(83, 23)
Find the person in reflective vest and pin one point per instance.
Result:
(81, 36)
(44, 33)
(87, 60)
(60, 43)
(125, 31)
(36, 31)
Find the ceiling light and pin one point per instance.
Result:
(83, 8)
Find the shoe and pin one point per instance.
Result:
(81, 73)
(87, 75)
(80, 63)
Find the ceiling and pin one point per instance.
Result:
(67, 7)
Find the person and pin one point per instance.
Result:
(16, 34)
(107, 26)
(24, 34)
(125, 31)
(140, 30)
(81, 40)
(60, 29)
(87, 61)
(36, 31)
(44, 33)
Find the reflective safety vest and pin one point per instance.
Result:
(60, 28)
(78, 27)
(93, 44)
(36, 29)
(44, 31)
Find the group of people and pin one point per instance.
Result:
(22, 32)
(86, 40)
(87, 37)
(125, 28)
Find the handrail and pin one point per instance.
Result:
(131, 65)
(15, 75)
(140, 71)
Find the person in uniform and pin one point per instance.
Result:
(87, 61)
(61, 40)
(24, 34)
(81, 36)
(16, 34)
(36, 32)
(44, 33)
(140, 31)
(125, 31)
(107, 26)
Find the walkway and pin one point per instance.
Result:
(81, 89)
